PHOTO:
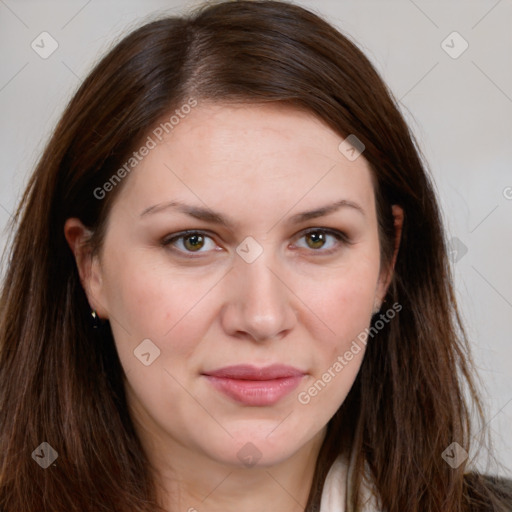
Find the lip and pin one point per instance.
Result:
(254, 386)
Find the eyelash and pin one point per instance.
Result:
(338, 235)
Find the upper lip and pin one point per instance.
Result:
(250, 372)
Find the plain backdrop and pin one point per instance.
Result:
(454, 89)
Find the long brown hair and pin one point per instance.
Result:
(61, 380)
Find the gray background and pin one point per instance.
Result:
(459, 108)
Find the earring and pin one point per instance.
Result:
(96, 321)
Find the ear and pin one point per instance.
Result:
(387, 274)
(88, 264)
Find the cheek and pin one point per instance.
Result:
(344, 308)
(343, 298)
(146, 301)
(339, 307)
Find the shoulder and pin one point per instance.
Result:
(488, 493)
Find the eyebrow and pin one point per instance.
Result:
(209, 215)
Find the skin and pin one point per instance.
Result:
(295, 304)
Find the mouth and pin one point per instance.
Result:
(254, 386)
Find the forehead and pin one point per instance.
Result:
(240, 155)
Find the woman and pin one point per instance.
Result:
(229, 288)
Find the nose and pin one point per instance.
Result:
(259, 304)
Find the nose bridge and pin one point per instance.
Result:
(260, 304)
(260, 281)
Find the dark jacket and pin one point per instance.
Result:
(488, 493)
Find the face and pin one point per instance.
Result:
(244, 239)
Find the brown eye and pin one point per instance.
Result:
(193, 242)
(315, 239)
(323, 240)
(189, 242)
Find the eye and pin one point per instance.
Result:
(321, 240)
(324, 240)
(189, 242)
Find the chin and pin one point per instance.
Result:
(247, 449)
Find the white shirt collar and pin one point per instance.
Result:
(335, 486)
(334, 493)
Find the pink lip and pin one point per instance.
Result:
(255, 386)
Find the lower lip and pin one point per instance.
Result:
(256, 392)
